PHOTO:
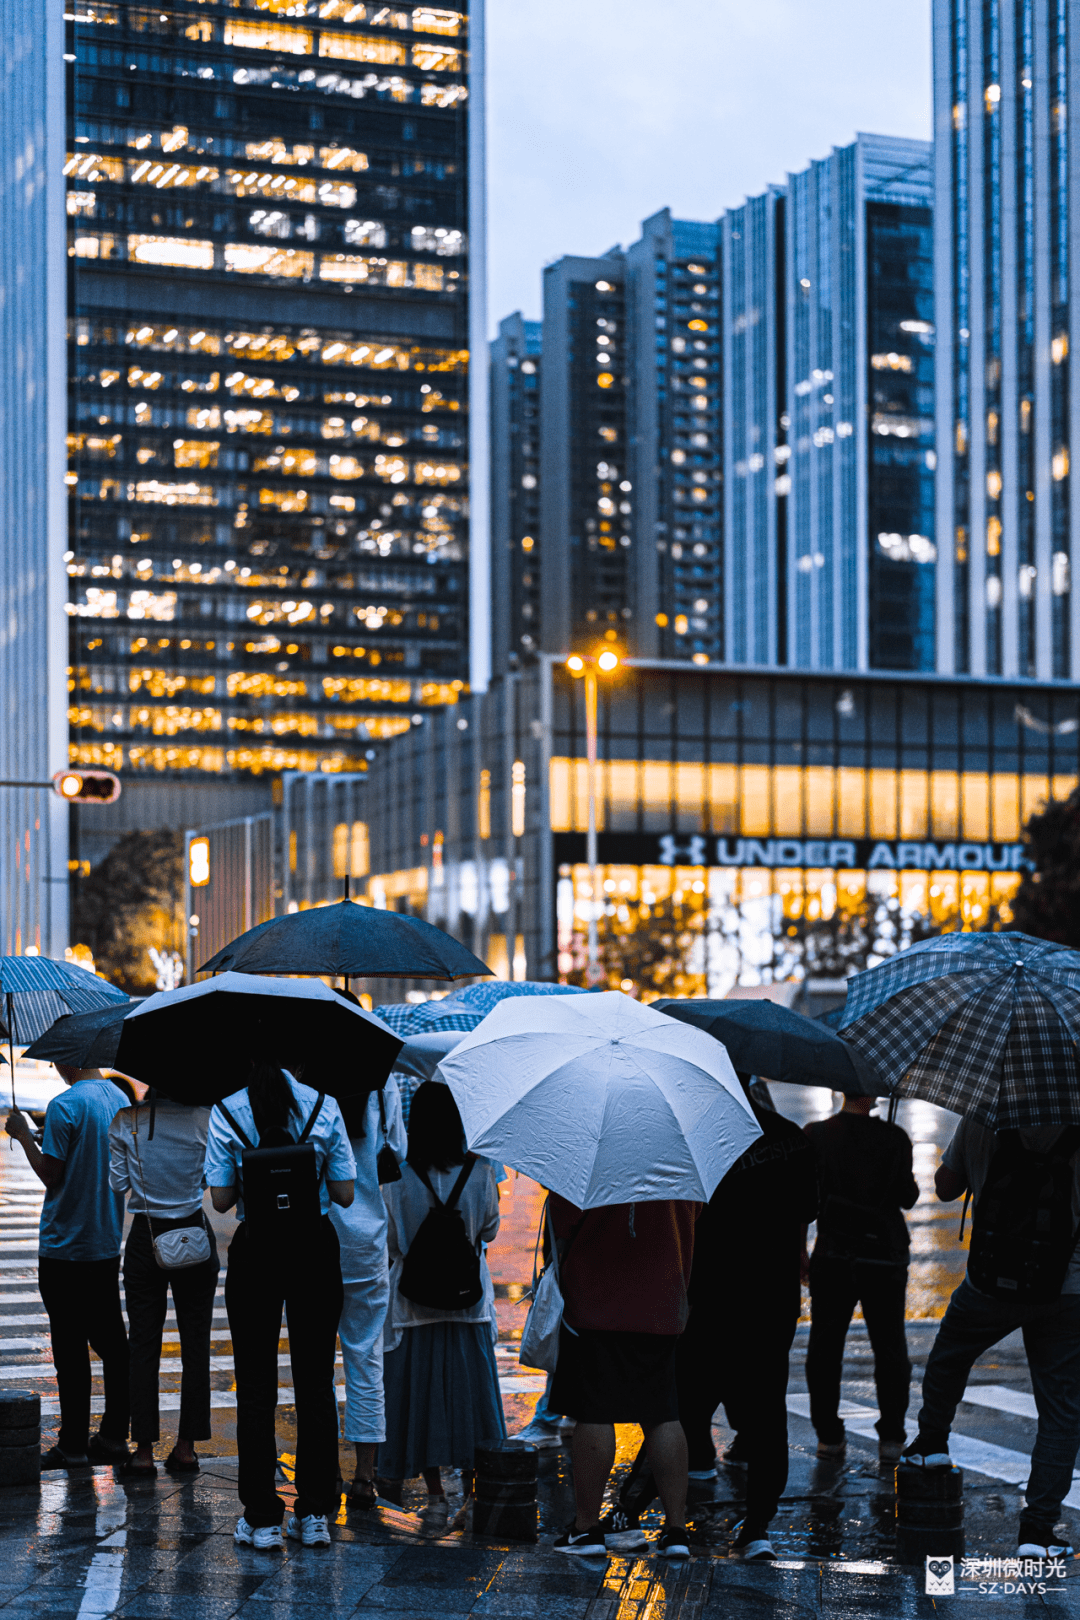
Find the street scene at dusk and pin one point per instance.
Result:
(539, 810)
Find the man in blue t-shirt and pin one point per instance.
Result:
(79, 1262)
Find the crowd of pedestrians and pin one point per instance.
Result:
(360, 1230)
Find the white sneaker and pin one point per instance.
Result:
(1053, 1549)
(544, 1436)
(312, 1531)
(265, 1539)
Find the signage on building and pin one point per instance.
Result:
(837, 854)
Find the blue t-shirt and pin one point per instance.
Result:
(83, 1218)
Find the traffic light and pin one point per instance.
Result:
(87, 787)
(199, 862)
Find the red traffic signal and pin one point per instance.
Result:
(87, 787)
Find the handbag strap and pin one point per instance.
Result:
(382, 1116)
(138, 1160)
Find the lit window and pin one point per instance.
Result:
(361, 48)
(365, 233)
(436, 58)
(257, 36)
(183, 253)
(1060, 464)
(250, 259)
(195, 452)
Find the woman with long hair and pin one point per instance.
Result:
(302, 1275)
(442, 1384)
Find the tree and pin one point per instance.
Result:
(131, 902)
(1047, 903)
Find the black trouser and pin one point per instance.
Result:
(82, 1298)
(836, 1287)
(258, 1284)
(744, 1366)
(146, 1294)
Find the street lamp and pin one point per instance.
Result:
(606, 660)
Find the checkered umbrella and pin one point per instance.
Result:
(983, 1024)
(463, 1009)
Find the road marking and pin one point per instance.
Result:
(999, 1398)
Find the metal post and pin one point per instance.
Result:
(247, 873)
(189, 942)
(593, 972)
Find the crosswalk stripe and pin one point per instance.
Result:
(999, 1398)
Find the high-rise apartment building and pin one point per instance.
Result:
(829, 455)
(516, 594)
(268, 352)
(1006, 160)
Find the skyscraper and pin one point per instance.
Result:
(1005, 160)
(829, 456)
(268, 239)
(516, 593)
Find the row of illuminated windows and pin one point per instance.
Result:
(291, 463)
(257, 760)
(263, 259)
(417, 19)
(208, 452)
(162, 607)
(271, 149)
(158, 683)
(630, 893)
(810, 801)
(273, 35)
(269, 346)
(176, 720)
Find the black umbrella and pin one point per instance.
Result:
(764, 1038)
(349, 940)
(194, 1045)
(83, 1040)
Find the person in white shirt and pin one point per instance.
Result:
(275, 1110)
(163, 1177)
(374, 1123)
(442, 1383)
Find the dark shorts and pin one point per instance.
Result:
(616, 1378)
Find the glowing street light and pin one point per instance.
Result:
(606, 659)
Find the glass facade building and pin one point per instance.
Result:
(516, 559)
(1005, 157)
(268, 352)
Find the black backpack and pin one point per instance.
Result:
(280, 1184)
(442, 1268)
(1022, 1228)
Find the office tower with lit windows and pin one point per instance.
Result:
(1006, 162)
(268, 334)
(516, 562)
(829, 453)
(586, 511)
(675, 424)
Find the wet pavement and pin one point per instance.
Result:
(93, 1546)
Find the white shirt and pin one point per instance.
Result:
(361, 1228)
(170, 1182)
(408, 1202)
(333, 1155)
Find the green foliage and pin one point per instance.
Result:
(133, 899)
(1047, 903)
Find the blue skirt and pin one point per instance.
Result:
(442, 1398)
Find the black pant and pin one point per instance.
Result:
(836, 1287)
(742, 1364)
(258, 1284)
(82, 1298)
(146, 1293)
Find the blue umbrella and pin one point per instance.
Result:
(465, 1008)
(350, 941)
(764, 1038)
(984, 1024)
(83, 1040)
(36, 991)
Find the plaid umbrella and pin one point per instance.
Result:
(465, 1008)
(983, 1024)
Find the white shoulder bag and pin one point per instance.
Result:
(182, 1246)
(540, 1335)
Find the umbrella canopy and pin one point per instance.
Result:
(35, 991)
(600, 1099)
(422, 1054)
(465, 1008)
(349, 940)
(83, 1040)
(194, 1044)
(764, 1038)
(983, 1024)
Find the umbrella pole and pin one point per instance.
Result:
(11, 1059)
(345, 976)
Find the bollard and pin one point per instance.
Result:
(504, 1504)
(929, 1513)
(20, 1437)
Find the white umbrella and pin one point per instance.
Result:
(600, 1099)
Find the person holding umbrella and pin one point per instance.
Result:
(301, 1273)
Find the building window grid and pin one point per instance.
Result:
(992, 318)
(1061, 360)
(961, 336)
(1025, 335)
